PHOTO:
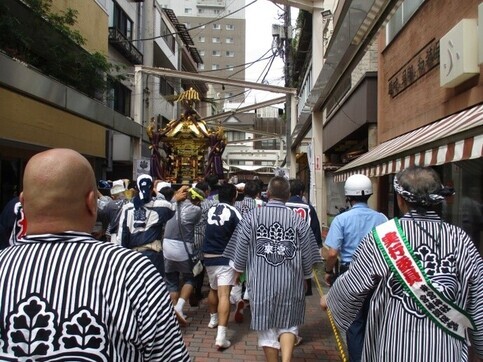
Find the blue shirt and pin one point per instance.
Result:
(347, 229)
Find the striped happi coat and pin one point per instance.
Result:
(69, 297)
(277, 249)
(397, 329)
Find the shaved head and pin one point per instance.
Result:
(59, 192)
(278, 189)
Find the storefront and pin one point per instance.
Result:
(453, 146)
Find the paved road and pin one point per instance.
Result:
(318, 343)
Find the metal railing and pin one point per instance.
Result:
(119, 41)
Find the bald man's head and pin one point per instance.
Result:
(59, 192)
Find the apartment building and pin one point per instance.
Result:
(217, 28)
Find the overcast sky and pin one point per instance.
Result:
(260, 17)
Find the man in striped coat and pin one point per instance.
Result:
(277, 250)
(66, 296)
(427, 278)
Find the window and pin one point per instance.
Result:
(463, 210)
(120, 98)
(188, 10)
(229, 40)
(235, 136)
(216, 53)
(167, 36)
(122, 22)
(215, 39)
(188, 25)
(269, 144)
(165, 89)
(237, 162)
(230, 53)
(215, 67)
(202, 53)
(201, 39)
(201, 67)
(216, 26)
(401, 17)
(229, 68)
(202, 26)
(230, 27)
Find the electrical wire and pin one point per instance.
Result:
(278, 6)
(200, 30)
(252, 63)
(248, 64)
(195, 27)
(268, 66)
(275, 51)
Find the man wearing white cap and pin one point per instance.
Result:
(163, 190)
(112, 210)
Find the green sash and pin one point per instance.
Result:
(397, 252)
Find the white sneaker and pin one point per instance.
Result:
(222, 344)
(213, 321)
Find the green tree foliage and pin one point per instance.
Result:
(31, 32)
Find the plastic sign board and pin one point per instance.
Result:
(459, 54)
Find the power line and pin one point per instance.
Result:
(249, 64)
(268, 66)
(195, 27)
(252, 63)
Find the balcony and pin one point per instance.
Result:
(122, 44)
(211, 3)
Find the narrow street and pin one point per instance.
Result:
(318, 344)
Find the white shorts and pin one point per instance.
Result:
(269, 337)
(220, 275)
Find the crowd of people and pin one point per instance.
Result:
(107, 271)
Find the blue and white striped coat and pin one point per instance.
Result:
(397, 330)
(277, 249)
(70, 297)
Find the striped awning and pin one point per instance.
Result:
(455, 138)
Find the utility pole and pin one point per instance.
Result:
(287, 30)
(290, 104)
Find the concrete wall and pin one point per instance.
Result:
(29, 121)
(92, 22)
(368, 63)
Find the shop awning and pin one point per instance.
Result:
(454, 138)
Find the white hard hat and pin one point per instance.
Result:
(358, 185)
